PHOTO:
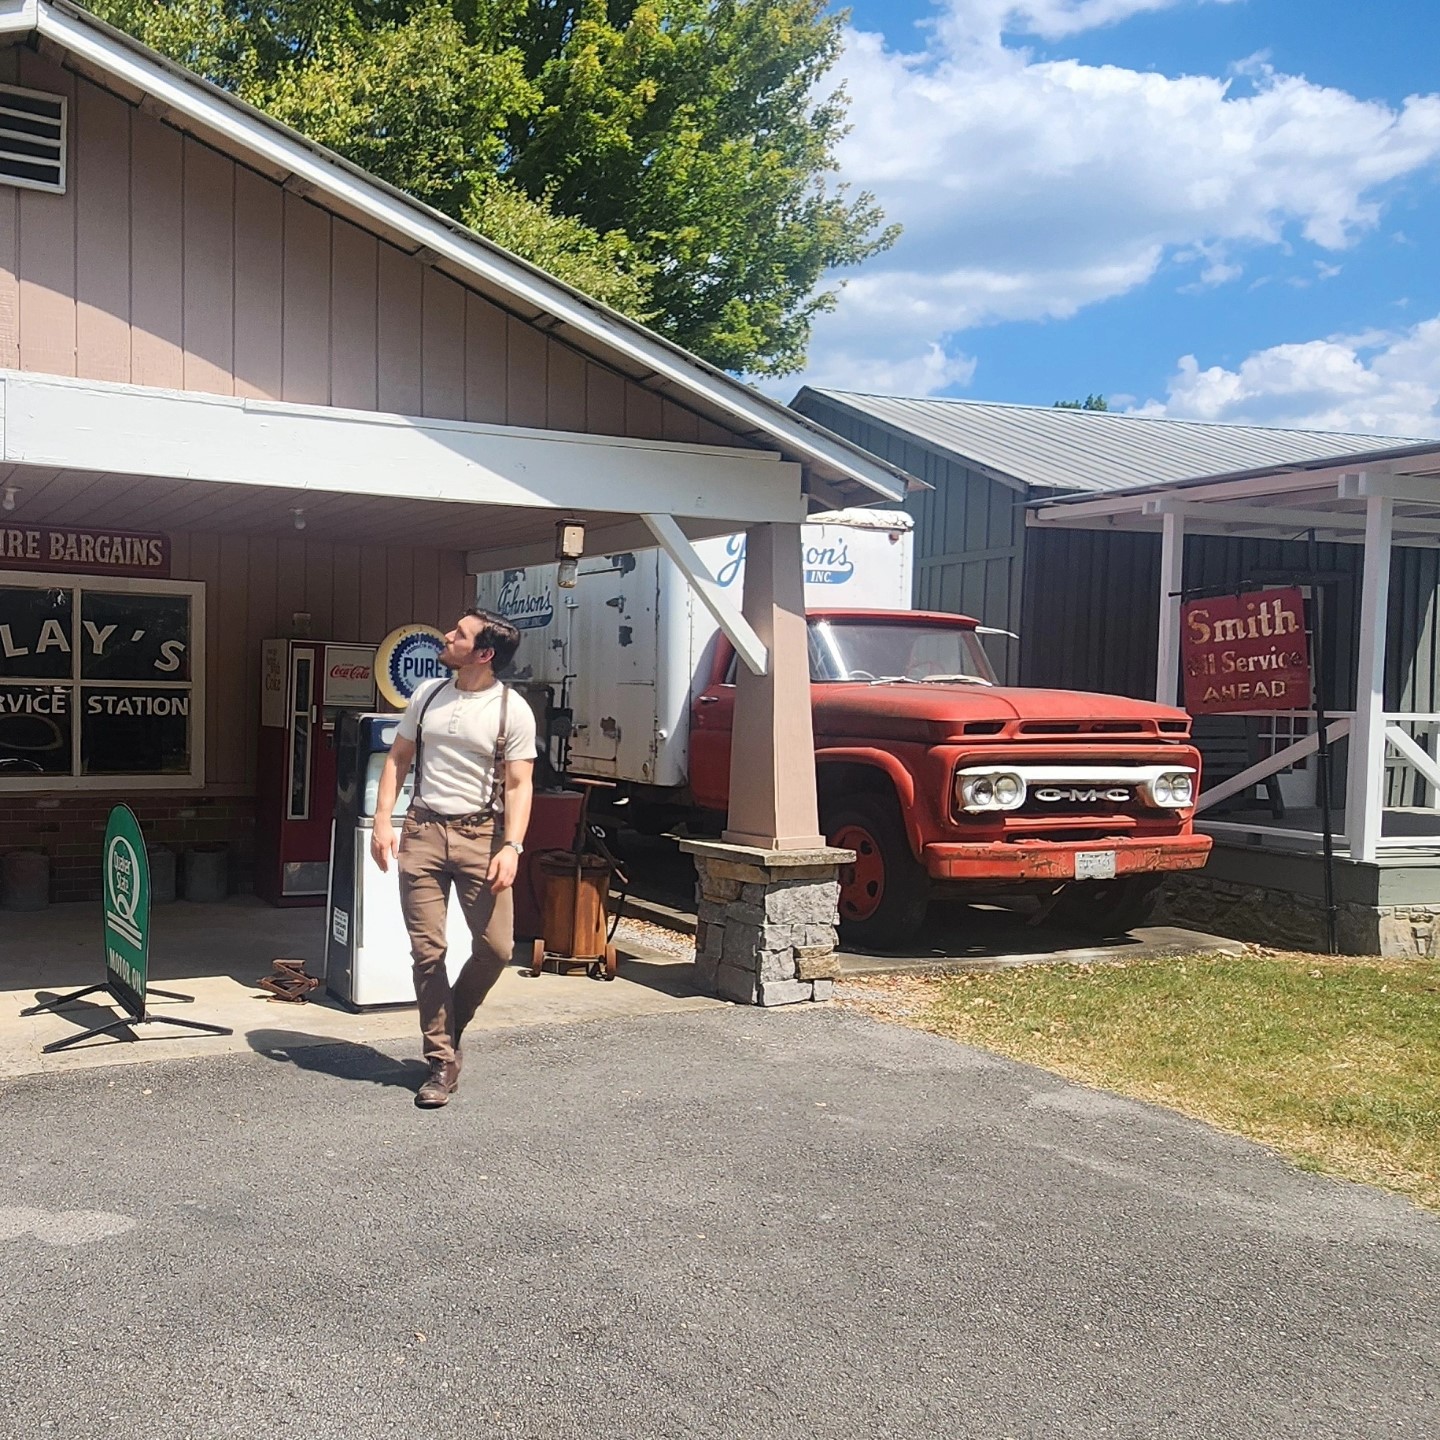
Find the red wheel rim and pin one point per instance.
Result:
(862, 885)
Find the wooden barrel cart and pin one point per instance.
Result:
(574, 902)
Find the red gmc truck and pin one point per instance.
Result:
(939, 779)
(942, 781)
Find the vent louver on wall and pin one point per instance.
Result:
(32, 139)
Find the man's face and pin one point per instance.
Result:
(460, 645)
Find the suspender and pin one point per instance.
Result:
(420, 741)
(496, 802)
(497, 761)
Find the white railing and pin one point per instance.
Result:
(1336, 729)
(1409, 742)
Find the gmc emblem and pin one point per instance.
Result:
(1052, 795)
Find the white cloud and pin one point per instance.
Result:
(988, 20)
(1377, 384)
(1031, 188)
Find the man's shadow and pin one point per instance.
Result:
(343, 1059)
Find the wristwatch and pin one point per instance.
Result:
(516, 846)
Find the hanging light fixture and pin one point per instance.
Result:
(299, 515)
(8, 503)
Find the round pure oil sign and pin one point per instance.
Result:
(407, 657)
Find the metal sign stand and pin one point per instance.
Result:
(126, 1022)
(126, 867)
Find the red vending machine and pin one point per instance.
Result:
(304, 687)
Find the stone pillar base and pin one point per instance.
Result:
(765, 932)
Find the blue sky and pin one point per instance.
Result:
(1210, 209)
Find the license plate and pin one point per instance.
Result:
(1095, 865)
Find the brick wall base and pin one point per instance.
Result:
(1292, 921)
(71, 831)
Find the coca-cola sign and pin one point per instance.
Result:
(350, 677)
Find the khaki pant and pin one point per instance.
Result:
(433, 856)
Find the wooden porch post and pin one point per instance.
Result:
(1172, 580)
(772, 761)
(1365, 801)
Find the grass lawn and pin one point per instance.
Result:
(1333, 1062)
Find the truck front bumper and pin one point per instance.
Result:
(1016, 861)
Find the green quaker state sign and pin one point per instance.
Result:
(126, 871)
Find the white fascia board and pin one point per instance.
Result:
(18, 16)
(187, 95)
(128, 429)
(748, 645)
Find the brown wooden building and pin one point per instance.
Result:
(318, 398)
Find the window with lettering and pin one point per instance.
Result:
(100, 681)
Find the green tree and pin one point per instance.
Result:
(1090, 402)
(671, 157)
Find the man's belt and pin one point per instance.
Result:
(431, 817)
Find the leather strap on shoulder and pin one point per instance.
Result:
(420, 737)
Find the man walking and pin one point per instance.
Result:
(473, 744)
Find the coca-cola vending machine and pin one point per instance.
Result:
(305, 686)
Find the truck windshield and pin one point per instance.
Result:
(869, 650)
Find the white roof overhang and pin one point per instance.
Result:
(836, 471)
(1326, 498)
(127, 456)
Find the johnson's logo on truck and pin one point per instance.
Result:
(828, 564)
(523, 609)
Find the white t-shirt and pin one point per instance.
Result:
(461, 729)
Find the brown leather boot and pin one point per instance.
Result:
(438, 1088)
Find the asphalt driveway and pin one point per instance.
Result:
(722, 1223)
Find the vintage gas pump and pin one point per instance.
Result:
(367, 950)
(306, 685)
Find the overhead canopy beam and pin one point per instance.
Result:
(1408, 489)
(748, 645)
(130, 430)
(1254, 516)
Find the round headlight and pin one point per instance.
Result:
(1161, 789)
(1007, 789)
(1182, 789)
(981, 791)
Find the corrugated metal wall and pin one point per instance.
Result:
(1084, 601)
(969, 534)
(1088, 619)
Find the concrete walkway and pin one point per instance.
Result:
(217, 952)
(726, 1223)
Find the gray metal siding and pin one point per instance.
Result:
(1084, 601)
(969, 534)
(1089, 617)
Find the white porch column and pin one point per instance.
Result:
(1365, 799)
(772, 762)
(1172, 580)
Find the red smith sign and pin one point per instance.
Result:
(1245, 652)
(83, 552)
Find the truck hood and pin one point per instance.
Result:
(897, 707)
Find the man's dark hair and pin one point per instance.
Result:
(498, 634)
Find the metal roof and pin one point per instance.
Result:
(1086, 451)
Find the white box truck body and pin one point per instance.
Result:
(635, 642)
